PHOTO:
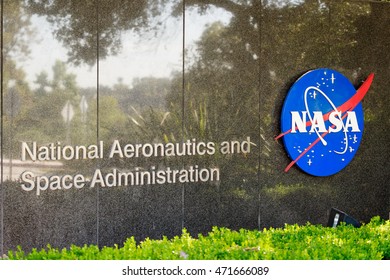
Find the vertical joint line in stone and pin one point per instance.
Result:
(330, 57)
(97, 70)
(97, 113)
(183, 66)
(260, 9)
(1, 135)
(183, 104)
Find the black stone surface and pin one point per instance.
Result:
(231, 68)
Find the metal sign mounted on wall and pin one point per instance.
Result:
(322, 121)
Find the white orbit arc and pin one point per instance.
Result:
(324, 142)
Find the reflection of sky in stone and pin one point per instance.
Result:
(140, 56)
(283, 3)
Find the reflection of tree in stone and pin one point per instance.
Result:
(144, 93)
(16, 36)
(17, 31)
(221, 90)
(266, 53)
(76, 22)
(42, 120)
(235, 84)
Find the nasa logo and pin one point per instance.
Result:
(322, 121)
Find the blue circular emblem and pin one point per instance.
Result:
(322, 122)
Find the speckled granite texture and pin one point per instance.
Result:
(209, 73)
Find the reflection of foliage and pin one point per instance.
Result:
(43, 115)
(279, 191)
(16, 36)
(145, 93)
(112, 121)
(233, 87)
(151, 124)
(76, 23)
(17, 31)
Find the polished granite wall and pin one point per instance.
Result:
(91, 73)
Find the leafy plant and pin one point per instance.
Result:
(293, 242)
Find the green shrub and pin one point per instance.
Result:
(293, 242)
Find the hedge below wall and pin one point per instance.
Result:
(293, 242)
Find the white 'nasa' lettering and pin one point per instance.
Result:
(299, 119)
